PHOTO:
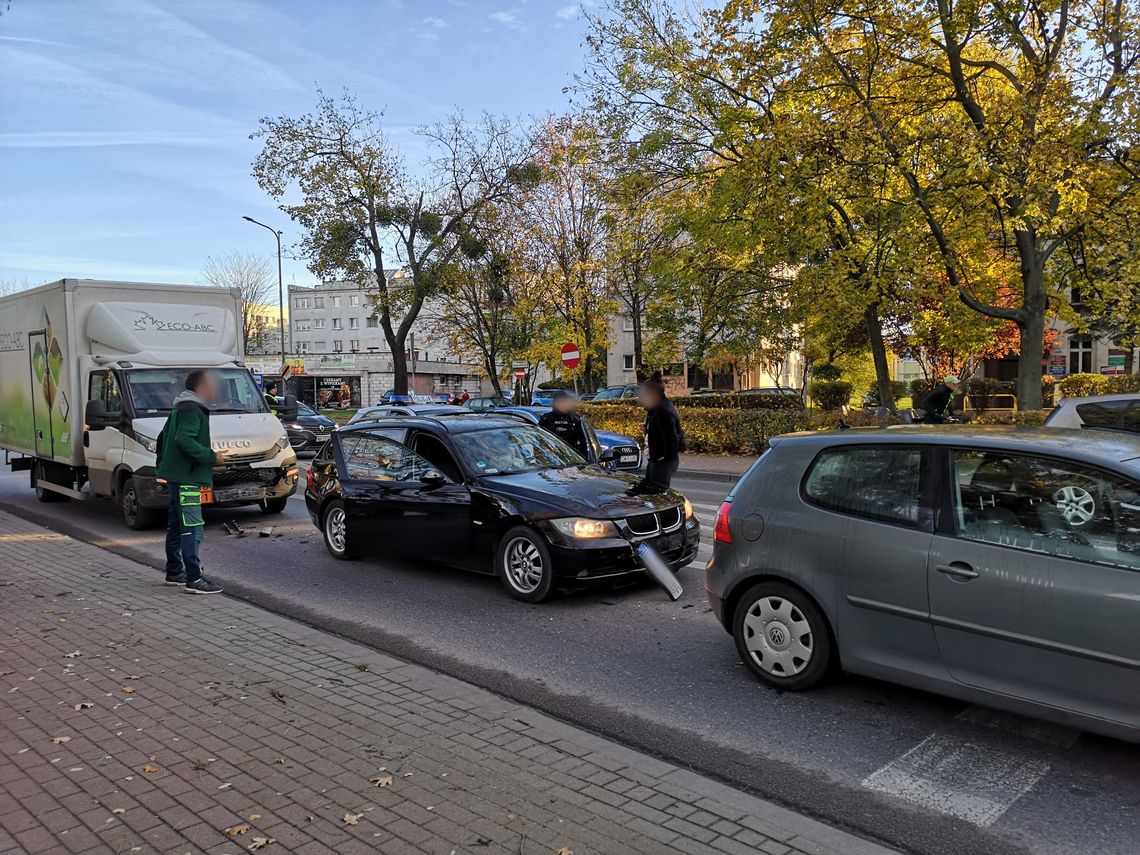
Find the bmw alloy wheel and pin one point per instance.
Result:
(523, 565)
(1075, 504)
(778, 637)
(335, 530)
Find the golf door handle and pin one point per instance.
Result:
(958, 570)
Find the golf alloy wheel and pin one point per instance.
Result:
(1076, 505)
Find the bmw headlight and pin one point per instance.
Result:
(585, 529)
(688, 509)
(147, 442)
(280, 445)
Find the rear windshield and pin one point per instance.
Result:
(1111, 415)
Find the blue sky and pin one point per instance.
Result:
(124, 124)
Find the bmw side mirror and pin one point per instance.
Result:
(432, 478)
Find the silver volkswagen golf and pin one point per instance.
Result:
(998, 566)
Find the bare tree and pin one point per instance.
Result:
(251, 275)
(11, 286)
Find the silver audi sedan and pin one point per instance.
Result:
(998, 566)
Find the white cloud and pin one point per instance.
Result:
(435, 21)
(509, 18)
(567, 13)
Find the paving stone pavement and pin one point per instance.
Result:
(135, 718)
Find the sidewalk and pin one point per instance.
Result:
(134, 718)
(714, 467)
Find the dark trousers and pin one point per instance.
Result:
(181, 541)
(661, 472)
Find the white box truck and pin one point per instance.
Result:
(88, 374)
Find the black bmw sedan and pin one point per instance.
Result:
(492, 495)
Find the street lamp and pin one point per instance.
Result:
(280, 288)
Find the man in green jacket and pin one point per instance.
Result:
(186, 462)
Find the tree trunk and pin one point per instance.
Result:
(1129, 360)
(1031, 324)
(399, 368)
(879, 355)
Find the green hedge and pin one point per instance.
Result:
(1080, 385)
(830, 394)
(719, 402)
(707, 431)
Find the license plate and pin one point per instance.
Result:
(659, 570)
(237, 494)
(629, 458)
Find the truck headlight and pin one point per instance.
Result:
(146, 442)
(280, 445)
(585, 529)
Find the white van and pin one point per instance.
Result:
(88, 374)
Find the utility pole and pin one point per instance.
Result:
(280, 285)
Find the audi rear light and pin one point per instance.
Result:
(721, 532)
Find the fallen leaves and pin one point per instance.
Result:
(150, 770)
(73, 654)
(260, 843)
(254, 817)
(381, 781)
(565, 850)
(351, 818)
(59, 740)
(238, 830)
(83, 705)
(128, 690)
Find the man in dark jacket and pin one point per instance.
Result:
(664, 438)
(566, 424)
(186, 462)
(937, 405)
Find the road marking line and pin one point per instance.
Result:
(974, 780)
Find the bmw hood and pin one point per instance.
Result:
(588, 491)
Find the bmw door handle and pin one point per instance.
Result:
(958, 570)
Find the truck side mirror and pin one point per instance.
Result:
(97, 416)
(288, 411)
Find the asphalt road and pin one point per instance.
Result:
(922, 772)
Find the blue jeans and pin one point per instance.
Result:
(181, 540)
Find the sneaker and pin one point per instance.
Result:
(175, 579)
(202, 586)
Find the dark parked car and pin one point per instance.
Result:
(625, 453)
(390, 397)
(617, 393)
(492, 495)
(998, 566)
(486, 403)
(310, 430)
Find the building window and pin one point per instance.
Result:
(319, 346)
(626, 323)
(1080, 354)
(338, 324)
(354, 345)
(334, 302)
(319, 324)
(354, 323)
(302, 346)
(318, 302)
(627, 362)
(338, 345)
(302, 326)
(354, 300)
(373, 322)
(301, 302)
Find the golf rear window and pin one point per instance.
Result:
(875, 482)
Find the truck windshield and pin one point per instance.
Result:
(153, 390)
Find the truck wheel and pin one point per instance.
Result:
(273, 506)
(135, 515)
(47, 495)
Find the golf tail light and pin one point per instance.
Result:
(721, 532)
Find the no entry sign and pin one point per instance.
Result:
(520, 373)
(571, 355)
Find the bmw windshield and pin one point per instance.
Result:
(153, 390)
(511, 450)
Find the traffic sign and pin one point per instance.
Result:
(571, 355)
(520, 373)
